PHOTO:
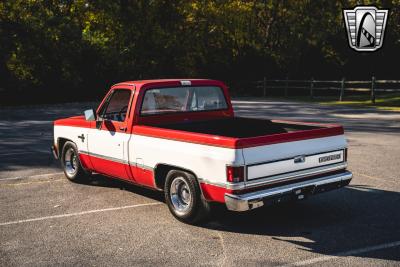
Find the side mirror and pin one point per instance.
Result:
(90, 115)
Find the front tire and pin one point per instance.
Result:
(71, 164)
(184, 198)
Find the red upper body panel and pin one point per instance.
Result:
(76, 121)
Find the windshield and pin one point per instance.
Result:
(183, 99)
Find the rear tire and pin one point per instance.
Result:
(184, 198)
(71, 164)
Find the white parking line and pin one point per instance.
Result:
(23, 153)
(32, 176)
(78, 213)
(33, 182)
(345, 254)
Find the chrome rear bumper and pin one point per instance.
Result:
(293, 191)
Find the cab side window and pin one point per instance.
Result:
(117, 106)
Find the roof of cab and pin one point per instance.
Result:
(140, 83)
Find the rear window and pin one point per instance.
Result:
(183, 99)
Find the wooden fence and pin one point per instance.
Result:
(372, 86)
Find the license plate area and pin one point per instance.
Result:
(296, 194)
(303, 192)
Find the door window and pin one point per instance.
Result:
(117, 106)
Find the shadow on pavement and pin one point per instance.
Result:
(103, 181)
(342, 220)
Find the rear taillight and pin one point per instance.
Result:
(234, 174)
(345, 154)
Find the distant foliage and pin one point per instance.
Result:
(62, 50)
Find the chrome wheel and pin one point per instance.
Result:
(180, 195)
(71, 162)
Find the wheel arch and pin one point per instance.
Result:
(60, 144)
(161, 170)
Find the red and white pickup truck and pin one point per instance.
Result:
(181, 137)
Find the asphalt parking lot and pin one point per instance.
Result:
(47, 220)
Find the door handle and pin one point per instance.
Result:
(122, 128)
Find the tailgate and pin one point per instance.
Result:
(297, 163)
(302, 156)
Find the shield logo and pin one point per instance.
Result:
(365, 27)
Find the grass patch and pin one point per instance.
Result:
(384, 102)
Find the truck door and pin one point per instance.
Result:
(108, 140)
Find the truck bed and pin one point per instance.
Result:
(238, 127)
(237, 132)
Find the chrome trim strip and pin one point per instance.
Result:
(296, 175)
(245, 202)
(116, 160)
(234, 186)
(142, 166)
(108, 158)
(103, 157)
(83, 152)
(273, 180)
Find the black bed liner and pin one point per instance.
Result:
(237, 127)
